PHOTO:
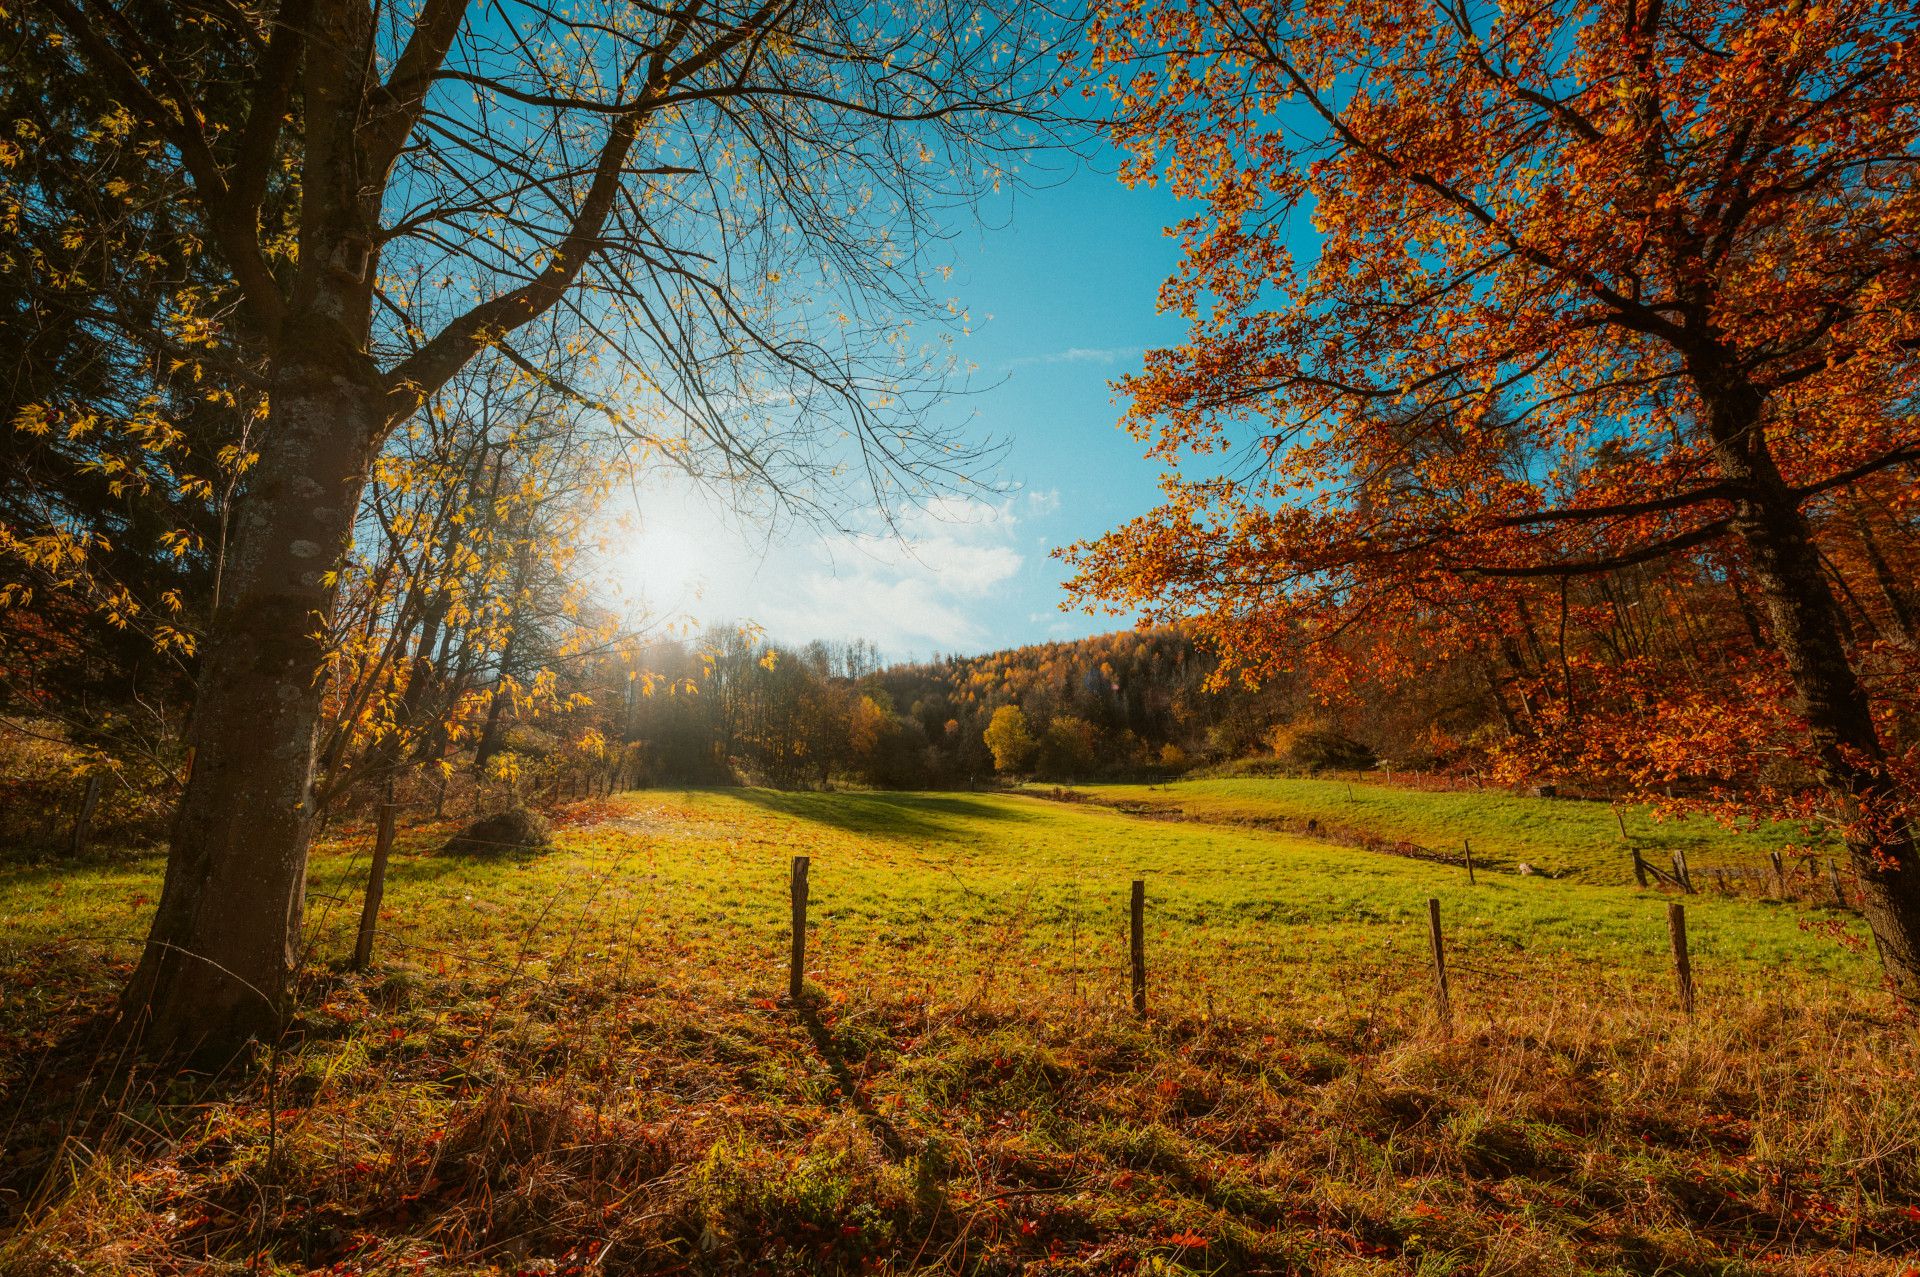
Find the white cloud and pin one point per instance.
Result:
(910, 592)
(934, 582)
(1039, 503)
(1080, 355)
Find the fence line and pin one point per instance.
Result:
(1442, 961)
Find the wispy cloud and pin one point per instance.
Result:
(914, 592)
(1103, 355)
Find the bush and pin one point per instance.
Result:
(1320, 750)
(513, 830)
(1309, 745)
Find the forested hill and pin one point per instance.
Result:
(1129, 701)
(1128, 704)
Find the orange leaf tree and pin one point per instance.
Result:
(1586, 289)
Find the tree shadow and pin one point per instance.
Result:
(96, 1091)
(933, 817)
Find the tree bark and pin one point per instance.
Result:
(227, 930)
(376, 880)
(1808, 632)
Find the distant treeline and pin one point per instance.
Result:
(729, 707)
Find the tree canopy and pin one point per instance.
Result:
(1489, 305)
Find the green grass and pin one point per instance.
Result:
(963, 883)
(1564, 837)
(585, 1058)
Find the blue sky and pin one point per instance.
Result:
(1061, 282)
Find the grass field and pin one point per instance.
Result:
(1567, 837)
(583, 1061)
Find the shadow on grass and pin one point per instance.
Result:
(421, 856)
(91, 1090)
(32, 868)
(939, 817)
(850, 1089)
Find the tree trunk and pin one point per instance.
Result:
(376, 880)
(1499, 695)
(493, 733)
(227, 931)
(1808, 633)
(83, 816)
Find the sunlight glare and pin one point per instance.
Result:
(664, 563)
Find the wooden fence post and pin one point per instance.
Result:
(83, 816)
(1680, 871)
(1442, 995)
(1468, 844)
(1779, 874)
(1639, 868)
(1137, 922)
(1833, 880)
(797, 966)
(1682, 965)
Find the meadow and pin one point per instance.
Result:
(1579, 839)
(584, 1061)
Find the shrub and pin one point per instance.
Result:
(1323, 750)
(515, 829)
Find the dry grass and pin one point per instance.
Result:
(605, 1080)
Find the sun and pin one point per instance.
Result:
(662, 561)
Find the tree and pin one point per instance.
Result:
(724, 196)
(1011, 741)
(122, 431)
(1068, 747)
(1596, 287)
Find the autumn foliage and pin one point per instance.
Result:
(1577, 342)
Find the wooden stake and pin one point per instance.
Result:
(1682, 966)
(1779, 874)
(1620, 820)
(1137, 915)
(797, 965)
(1442, 995)
(1833, 880)
(1680, 873)
(1639, 868)
(1468, 844)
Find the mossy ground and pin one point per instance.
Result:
(584, 1061)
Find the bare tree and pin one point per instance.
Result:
(728, 196)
